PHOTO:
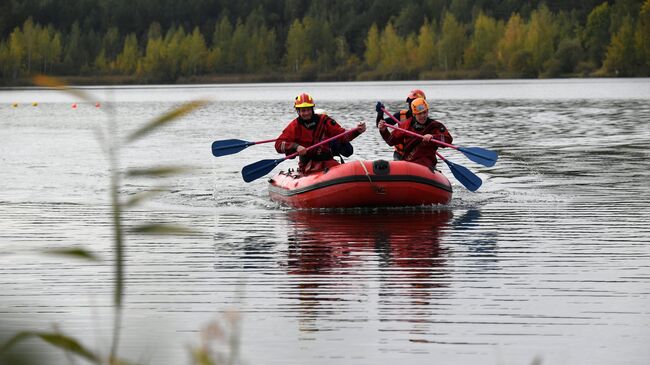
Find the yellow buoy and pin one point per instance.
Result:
(34, 104)
(15, 105)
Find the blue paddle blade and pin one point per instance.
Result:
(258, 169)
(464, 176)
(229, 146)
(480, 155)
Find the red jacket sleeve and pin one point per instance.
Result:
(395, 137)
(441, 133)
(286, 142)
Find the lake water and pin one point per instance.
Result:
(547, 263)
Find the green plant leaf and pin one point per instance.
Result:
(158, 171)
(138, 198)
(55, 339)
(162, 229)
(202, 357)
(166, 118)
(75, 252)
(52, 82)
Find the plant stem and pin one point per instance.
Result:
(113, 158)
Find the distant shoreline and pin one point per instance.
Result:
(268, 78)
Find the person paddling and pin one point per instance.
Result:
(418, 150)
(401, 115)
(308, 129)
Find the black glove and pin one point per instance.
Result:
(378, 107)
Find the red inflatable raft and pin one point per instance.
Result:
(362, 184)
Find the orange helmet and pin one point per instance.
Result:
(304, 100)
(414, 94)
(419, 105)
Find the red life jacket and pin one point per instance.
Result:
(399, 148)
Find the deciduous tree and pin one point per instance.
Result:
(452, 43)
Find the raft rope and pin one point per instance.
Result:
(366, 170)
(377, 189)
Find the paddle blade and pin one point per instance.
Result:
(258, 169)
(464, 176)
(228, 146)
(480, 155)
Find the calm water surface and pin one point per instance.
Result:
(547, 262)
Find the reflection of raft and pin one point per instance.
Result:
(363, 184)
(321, 242)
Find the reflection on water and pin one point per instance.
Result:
(339, 256)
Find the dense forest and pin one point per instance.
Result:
(168, 41)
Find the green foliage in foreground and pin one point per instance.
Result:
(227, 331)
(337, 40)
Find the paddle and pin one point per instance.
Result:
(230, 146)
(463, 175)
(260, 168)
(477, 154)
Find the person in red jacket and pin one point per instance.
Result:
(401, 115)
(308, 129)
(416, 149)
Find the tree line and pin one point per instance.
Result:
(324, 40)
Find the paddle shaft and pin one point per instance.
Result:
(413, 133)
(263, 167)
(265, 141)
(321, 143)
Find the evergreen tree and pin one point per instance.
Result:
(16, 53)
(409, 20)
(540, 39)
(342, 55)
(221, 40)
(297, 47)
(29, 38)
(483, 43)
(5, 70)
(642, 36)
(101, 64)
(152, 64)
(71, 59)
(173, 53)
(154, 32)
(621, 53)
(51, 49)
(261, 55)
(127, 61)
(596, 34)
(111, 43)
(322, 43)
(512, 56)
(196, 53)
(322, 38)
(238, 48)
